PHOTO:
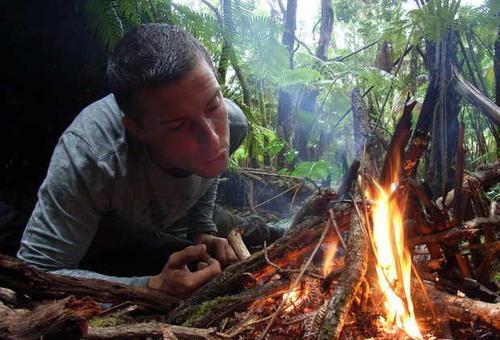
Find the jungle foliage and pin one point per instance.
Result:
(384, 47)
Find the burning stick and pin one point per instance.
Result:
(341, 300)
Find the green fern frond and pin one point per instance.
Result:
(104, 20)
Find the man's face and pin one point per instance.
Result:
(184, 124)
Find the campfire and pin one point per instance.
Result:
(299, 310)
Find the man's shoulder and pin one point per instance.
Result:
(99, 125)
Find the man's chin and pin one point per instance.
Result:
(213, 169)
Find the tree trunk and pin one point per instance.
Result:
(285, 95)
(497, 68)
(309, 95)
(442, 114)
(290, 25)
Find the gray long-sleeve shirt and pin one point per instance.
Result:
(102, 192)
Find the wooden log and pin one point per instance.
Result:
(151, 329)
(315, 205)
(465, 231)
(22, 278)
(236, 242)
(464, 309)
(349, 281)
(54, 318)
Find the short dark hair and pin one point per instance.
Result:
(148, 56)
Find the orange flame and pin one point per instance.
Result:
(393, 263)
(329, 254)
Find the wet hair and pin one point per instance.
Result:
(148, 56)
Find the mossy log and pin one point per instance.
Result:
(22, 278)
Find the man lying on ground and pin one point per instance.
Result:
(129, 193)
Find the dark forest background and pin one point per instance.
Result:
(52, 68)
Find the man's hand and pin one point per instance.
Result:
(217, 247)
(178, 280)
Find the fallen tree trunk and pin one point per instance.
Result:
(20, 277)
(58, 317)
(350, 279)
(465, 309)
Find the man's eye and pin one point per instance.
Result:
(176, 127)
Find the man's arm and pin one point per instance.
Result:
(71, 200)
(202, 229)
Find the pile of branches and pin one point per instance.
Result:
(248, 299)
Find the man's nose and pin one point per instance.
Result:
(207, 134)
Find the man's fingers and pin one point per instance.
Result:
(181, 258)
(225, 253)
(232, 258)
(202, 265)
(202, 276)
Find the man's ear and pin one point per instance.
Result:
(135, 129)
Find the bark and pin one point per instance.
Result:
(56, 318)
(349, 281)
(20, 277)
(441, 116)
(151, 329)
(465, 309)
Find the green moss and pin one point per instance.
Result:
(198, 313)
(106, 321)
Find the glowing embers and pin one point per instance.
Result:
(393, 263)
